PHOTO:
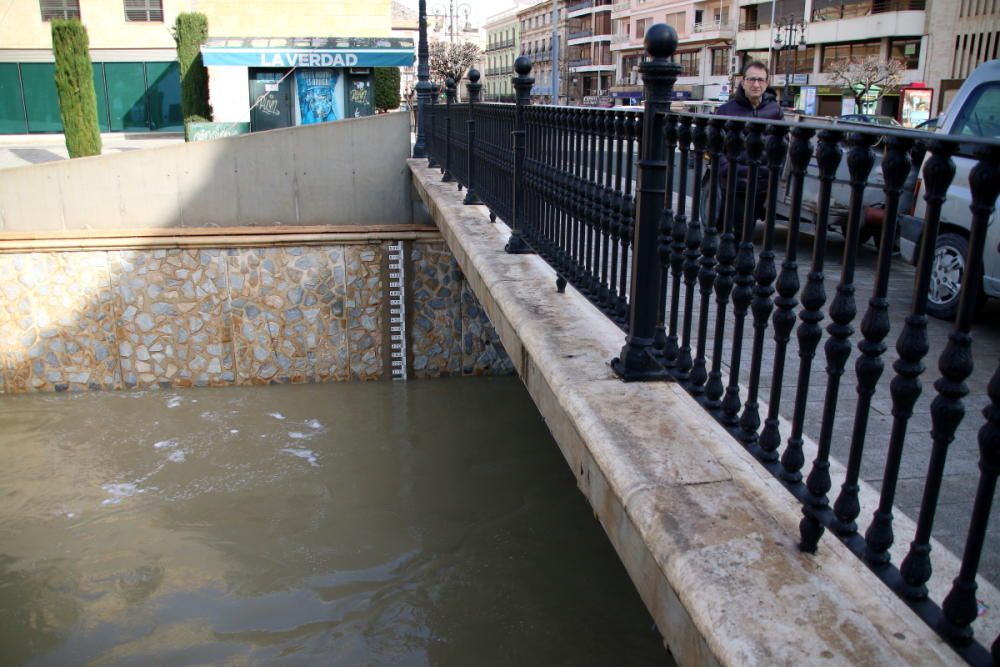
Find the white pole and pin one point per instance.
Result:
(770, 41)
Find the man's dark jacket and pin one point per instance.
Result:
(739, 105)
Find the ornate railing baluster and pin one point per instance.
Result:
(709, 247)
(843, 309)
(449, 92)
(628, 217)
(727, 256)
(432, 137)
(617, 213)
(593, 203)
(607, 197)
(745, 264)
(874, 327)
(813, 296)
(799, 152)
(678, 234)
(955, 365)
(911, 346)
(692, 245)
(762, 305)
(664, 347)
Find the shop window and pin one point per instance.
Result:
(59, 9)
(144, 10)
(906, 51)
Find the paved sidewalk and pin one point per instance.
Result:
(19, 150)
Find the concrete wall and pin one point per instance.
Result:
(351, 172)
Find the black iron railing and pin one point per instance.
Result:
(601, 194)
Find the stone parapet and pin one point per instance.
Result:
(706, 534)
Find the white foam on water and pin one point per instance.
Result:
(276, 415)
(177, 456)
(298, 435)
(234, 431)
(164, 444)
(306, 454)
(314, 423)
(119, 492)
(174, 401)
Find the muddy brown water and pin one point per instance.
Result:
(419, 523)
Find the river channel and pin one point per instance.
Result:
(416, 523)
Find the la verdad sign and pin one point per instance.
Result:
(293, 59)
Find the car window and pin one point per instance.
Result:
(980, 117)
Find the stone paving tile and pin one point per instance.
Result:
(482, 351)
(436, 333)
(288, 314)
(57, 325)
(364, 306)
(173, 321)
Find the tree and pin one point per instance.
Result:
(386, 88)
(451, 60)
(190, 32)
(74, 77)
(868, 78)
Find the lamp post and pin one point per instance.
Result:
(424, 87)
(440, 16)
(790, 36)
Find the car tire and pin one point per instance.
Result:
(947, 273)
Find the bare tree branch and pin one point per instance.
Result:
(451, 60)
(868, 77)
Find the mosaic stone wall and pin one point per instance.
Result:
(71, 321)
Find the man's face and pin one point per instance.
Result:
(754, 84)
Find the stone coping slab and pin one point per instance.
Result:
(707, 535)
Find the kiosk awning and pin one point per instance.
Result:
(308, 52)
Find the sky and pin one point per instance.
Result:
(480, 10)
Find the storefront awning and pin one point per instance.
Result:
(308, 52)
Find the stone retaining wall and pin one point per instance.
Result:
(181, 317)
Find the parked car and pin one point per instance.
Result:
(888, 121)
(974, 112)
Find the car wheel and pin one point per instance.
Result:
(947, 274)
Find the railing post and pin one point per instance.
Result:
(522, 90)
(449, 93)
(474, 88)
(432, 142)
(423, 84)
(637, 361)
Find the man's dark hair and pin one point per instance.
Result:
(756, 63)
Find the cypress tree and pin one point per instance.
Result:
(386, 86)
(190, 32)
(75, 84)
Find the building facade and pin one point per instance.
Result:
(706, 32)
(826, 31)
(588, 51)
(503, 43)
(537, 33)
(961, 35)
(255, 45)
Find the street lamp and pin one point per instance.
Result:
(441, 16)
(790, 36)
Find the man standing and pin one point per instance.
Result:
(752, 99)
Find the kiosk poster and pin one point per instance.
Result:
(360, 97)
(317, 96)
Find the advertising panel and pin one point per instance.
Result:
(317, 96)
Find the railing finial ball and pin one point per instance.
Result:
(661, 40)
(522, 65)
(473, 75)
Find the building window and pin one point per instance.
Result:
(640, 28)
(676, 21)
(906, 51)
(835, 52)
(689, 62)
(144, 10)
(720, 62)
(59, 9)
(801, 61)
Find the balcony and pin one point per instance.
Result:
(579, 6)
(857, 9)
(576, 34)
